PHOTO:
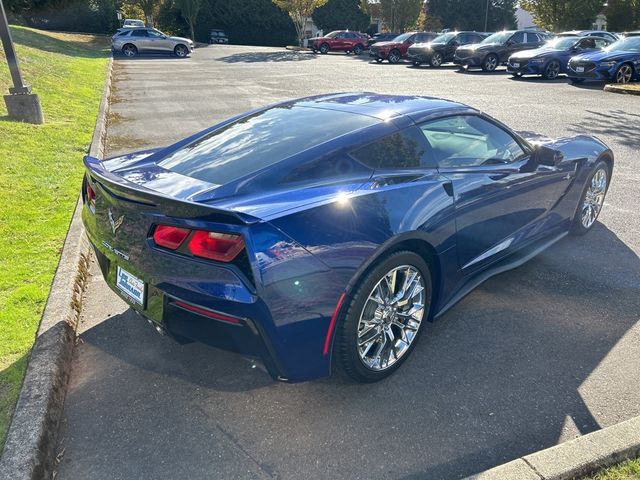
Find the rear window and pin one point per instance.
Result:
(260, 140)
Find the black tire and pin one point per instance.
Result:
(324, 48)
(578, 226)
(379, 60)
(394, 56)
(129, 50)
(552, 70)
(358, 49)
(436, 60)
(347, 357)
(490, 63)
(624, 74)
(181, 50)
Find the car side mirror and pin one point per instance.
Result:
(547, 156)
(510, 42)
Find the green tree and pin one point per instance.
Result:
(560, 15)
(341, 14)
(470, 14)
(622, 15)
(399, 15)
(150, 8)
(299, 11)
(189, 10)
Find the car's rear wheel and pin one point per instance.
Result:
(552, 71)
(394, 56)
(591, 200)
(436, 60)
(384, 317)
(358, 49)
(324, 48)
(490, 63)
(181, 51)
(129, 50)
(624, 73)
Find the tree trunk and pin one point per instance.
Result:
(193, 35)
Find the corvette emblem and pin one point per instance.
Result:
(115, 224)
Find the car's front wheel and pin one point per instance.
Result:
(624, 73)
(436, 60)
(552, 71)
(591, 200)
(490, 63)
(384, 317)
(324, 48)
(358, 49)
(394, 56)
(129, 50)
(181, 51)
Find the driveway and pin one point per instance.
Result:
(534, 357)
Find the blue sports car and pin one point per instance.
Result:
(619, 62)
(551, 59)
(321, 234)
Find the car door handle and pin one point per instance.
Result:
(498, 176)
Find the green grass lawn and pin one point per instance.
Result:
(40, 177)
(625, 471)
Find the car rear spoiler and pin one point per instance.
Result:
(125, 190)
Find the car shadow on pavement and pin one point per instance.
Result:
(538, 79)
(256, 57)
(620, 124)
(499, 376)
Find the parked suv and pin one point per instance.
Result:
(497, 48)
(218, 36)
(339, 40)
(442, 49)
(396, 49)
(149, 40)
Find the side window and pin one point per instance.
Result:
(517, 37)
(601, 42)
(411, 39)
(588, 43)
(139, 33)
(462, 38)
(469, 141)
(404, 149)
(341, 35)
(154, 34)
(350, 35)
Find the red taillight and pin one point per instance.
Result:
(91, 196)
(223, 247)
(170, 237)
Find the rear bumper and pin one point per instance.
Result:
(177, 313)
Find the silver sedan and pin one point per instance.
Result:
(133, 41)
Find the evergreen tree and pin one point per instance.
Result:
(341, 14)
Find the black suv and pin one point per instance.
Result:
(442, 48)
(497, 48)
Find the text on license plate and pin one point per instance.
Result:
(130, 285)
(580, 69)
(517, 65)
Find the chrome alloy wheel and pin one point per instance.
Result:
(491, 63)
(391, 317)
(553, 70)
(394, 56)
(594, 198)
(436, 60)
(624, 74)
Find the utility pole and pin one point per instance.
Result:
(486, 17)
(22, 104)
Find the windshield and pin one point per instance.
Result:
(629, 44)
(332, 34)
(260, 140)
(444, 38)
(563, 43)
(403, 37)
(498, 37)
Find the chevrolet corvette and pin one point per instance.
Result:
(321, 234)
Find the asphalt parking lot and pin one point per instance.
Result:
(533, 357)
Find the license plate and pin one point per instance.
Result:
(517, 65)
(580, 69)
(130, 285)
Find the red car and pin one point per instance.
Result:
(343, 40)
(396, 49)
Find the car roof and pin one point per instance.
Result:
(377, 105)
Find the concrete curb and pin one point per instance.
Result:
(628, 89)
(29, 452)
(575, 458)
